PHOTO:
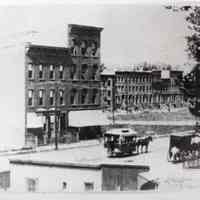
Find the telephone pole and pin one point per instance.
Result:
(113, 100)
(126, 93)
(57, 113)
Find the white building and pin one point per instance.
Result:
(28, 175)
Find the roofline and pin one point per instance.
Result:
(75, 165)
(86, 27)
(29, 45)
(132, 71)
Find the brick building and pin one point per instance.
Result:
(142, 88)
(60, 82)
(133, 88)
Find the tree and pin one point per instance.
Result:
(190, 85)
(193, 40)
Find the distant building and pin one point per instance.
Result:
(165, 87)
(133, 88)
(59, 83)
(53, 176)
(144, 88)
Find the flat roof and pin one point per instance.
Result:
(76, 165)
(30, 45)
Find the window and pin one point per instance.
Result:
(51, 97)
(41, 97)
(40, 72)
(73, 96)
(30, 71)
(94, 72)
(61, 96)
(32, 184)
(89, 186)
(61, 72)
(52, 72)
(83, 96)
(109, 82)
(72, 71)
(84, 69)
(64, 185)
(30, 97)
(109, 93)
(94, 96)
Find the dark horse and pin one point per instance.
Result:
(144, 142)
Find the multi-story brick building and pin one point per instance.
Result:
(142, 88)
(133, 88)
(61, 81)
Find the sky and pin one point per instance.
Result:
(132, 34)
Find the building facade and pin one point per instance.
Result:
(165, 87)
(43, 176)
(133, 89)
(145, 89)
(60, 80)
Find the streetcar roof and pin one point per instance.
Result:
(122, 132)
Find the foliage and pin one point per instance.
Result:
(193, 41)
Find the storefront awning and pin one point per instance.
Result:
(85, 118)
(34, 121)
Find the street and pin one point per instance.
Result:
(169, 176)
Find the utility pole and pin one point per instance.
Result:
(56, 117)
(113, 100)
(126, 93)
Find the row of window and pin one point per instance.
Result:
(73, 73)
(135, 88)
(76, 97)
(142, 99)
(142, 79)
(41, 97)
(32, 185)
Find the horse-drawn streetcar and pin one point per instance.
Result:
(125, 141)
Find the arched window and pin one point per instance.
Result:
(52, 97)
(61, 75)
(30, 71)
(40, 72)
(73, 96)
(52, 72)
(61, 97)
(94, 96)
(30, 97)
(41, 97)
(83, 96)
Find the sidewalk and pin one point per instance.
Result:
(81, 144)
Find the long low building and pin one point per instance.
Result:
(29, 175)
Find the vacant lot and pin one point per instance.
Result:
(176, 115)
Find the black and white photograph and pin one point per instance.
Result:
(100, 98)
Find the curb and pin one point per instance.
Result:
(47, 150)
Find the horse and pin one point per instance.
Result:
(143, 142)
